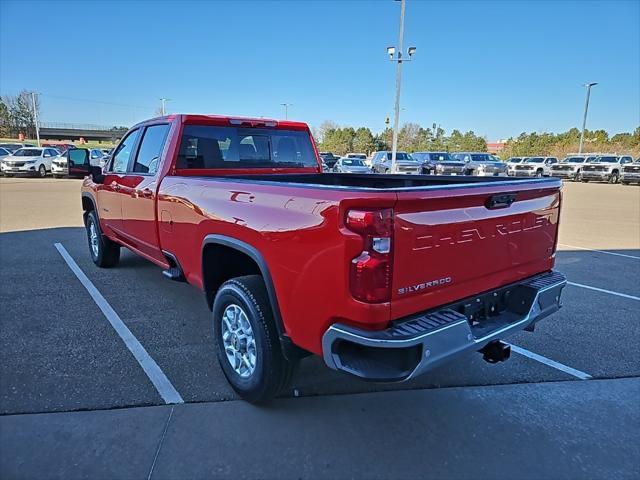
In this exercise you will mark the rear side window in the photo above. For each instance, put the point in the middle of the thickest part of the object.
(123, 153)
(204, 146)
(151, 149)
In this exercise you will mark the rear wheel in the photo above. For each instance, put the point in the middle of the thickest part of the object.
(247, 343)
(104, 252)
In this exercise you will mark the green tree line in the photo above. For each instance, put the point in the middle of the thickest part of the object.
(411, 138)
(561, 144)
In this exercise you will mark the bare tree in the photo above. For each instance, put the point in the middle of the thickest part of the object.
(19, 113)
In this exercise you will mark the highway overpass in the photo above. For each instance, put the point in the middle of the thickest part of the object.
(71, 131)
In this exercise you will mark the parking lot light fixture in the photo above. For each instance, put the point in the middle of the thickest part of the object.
(35, 116)
(286, 109)
(396, 56)
(584, 118)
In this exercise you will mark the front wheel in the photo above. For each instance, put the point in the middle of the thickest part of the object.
(614, 177)
(42, 171)
(104, 252)
(247, 343)
(539, 173)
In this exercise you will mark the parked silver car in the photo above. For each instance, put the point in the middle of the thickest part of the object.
(605, 168)
(12, 147)
(535, 167)
(405, 163)
(481, 164)
(571, 167)
(351, 165)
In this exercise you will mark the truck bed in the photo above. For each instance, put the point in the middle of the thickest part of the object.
(386, 182)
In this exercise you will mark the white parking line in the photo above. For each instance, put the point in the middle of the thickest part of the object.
(610, 292)
(164, 387)
(601, 251)
(551, 363)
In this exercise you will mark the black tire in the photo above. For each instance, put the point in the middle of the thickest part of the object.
(624, 183)
(108, 252)
(42, 171)
(540, 173)
(584, 180)
(57, 176)
(577, 176)
(9, 175)
(614, 177)
(272, 371)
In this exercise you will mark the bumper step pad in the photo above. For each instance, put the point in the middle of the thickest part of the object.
(413, 345)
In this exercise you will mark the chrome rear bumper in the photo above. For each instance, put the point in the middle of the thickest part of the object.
(414, 345)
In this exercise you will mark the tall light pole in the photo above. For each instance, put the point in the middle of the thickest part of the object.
(35, 116)
(286, 109)
(162, 105)
(396, 56)
(586, 108)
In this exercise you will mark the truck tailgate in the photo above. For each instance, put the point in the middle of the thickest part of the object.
(454, 243)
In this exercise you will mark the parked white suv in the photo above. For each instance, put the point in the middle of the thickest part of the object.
(30, 160)
(535, 167)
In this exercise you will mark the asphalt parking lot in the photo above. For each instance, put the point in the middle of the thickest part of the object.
(565, 405)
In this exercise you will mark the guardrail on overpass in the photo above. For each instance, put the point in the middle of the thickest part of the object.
(74, 131)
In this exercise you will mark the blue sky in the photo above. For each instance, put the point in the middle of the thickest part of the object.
(498, 68)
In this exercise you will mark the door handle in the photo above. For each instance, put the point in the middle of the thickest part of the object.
(115, 186)
(147, 193)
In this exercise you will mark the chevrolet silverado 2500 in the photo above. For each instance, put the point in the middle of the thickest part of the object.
(420, 268)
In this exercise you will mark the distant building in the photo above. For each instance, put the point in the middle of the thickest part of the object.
(496, 147)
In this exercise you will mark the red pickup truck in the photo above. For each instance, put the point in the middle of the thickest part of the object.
(385, 276)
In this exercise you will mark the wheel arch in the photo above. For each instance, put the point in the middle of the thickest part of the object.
(88, 205)
(237, 258)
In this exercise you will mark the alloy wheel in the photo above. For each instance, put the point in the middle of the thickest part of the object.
(238, 340)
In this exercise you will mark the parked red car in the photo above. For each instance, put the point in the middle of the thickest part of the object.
(385, 276)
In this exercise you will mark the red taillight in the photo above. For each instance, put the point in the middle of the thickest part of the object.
(371, 272)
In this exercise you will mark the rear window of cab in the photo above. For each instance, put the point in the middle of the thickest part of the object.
(215, 147)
